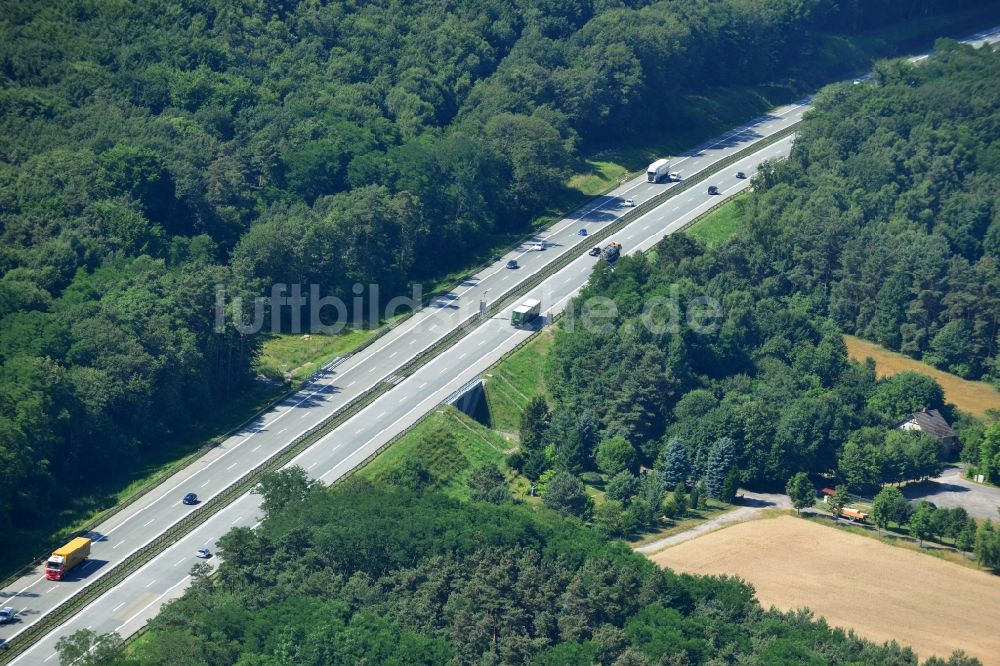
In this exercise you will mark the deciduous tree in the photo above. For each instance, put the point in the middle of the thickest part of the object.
(801, 491)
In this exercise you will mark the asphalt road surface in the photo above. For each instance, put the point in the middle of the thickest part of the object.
(950, 490)
(129, 605)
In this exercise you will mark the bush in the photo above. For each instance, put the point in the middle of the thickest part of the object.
(617, 455)
(622, 487)
(566, 494)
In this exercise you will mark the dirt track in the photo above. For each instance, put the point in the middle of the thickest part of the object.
(751, 505)
(880, 591)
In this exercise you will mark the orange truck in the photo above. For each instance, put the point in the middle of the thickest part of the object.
(854, 514)
(65, 558)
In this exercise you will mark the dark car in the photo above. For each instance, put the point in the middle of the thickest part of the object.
(740, 174)
(190, 498)
(512, 263)
(581, 232)
(595, 252)
(712, 189)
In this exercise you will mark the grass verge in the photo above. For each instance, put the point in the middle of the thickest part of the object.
(512, 383)
(290, 357)
(721, 224)
(448, 445)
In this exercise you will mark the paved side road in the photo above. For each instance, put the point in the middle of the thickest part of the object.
(950, 490)
(751, 504)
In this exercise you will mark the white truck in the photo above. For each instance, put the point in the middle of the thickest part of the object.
(525, 312)
(657, 171)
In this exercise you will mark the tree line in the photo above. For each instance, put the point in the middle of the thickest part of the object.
(885, 217)
(922, 519)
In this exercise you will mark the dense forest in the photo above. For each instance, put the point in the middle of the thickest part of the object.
(886, 217)
(366, 574)
(887, 210)
(152, 150)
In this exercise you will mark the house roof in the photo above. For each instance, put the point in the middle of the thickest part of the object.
(931, 422)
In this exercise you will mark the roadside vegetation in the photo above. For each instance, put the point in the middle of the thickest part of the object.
(440, 453)
(287, 357)
(511, 384)
(719, 225)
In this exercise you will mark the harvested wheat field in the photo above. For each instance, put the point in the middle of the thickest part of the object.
(972, 397)
(856, 582)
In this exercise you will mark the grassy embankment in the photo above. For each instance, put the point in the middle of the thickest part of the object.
(720, 224)
(450, 444)
(511, 384)
(287, 357)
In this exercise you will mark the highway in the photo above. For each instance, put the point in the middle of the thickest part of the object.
(129, 605)
(143, 521)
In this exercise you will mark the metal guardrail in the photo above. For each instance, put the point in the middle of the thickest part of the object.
(191, 521)
(147, 487)
(462, 390)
